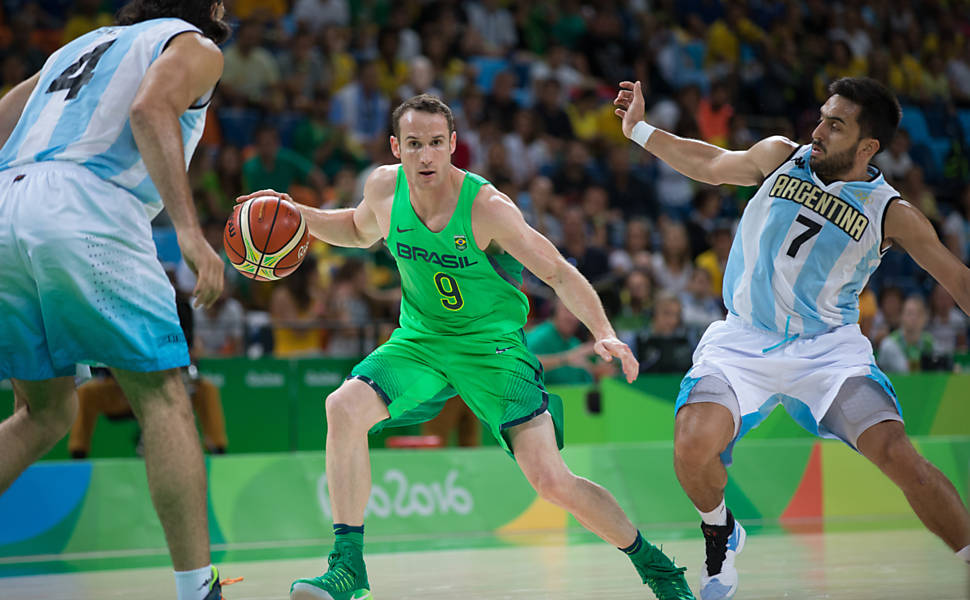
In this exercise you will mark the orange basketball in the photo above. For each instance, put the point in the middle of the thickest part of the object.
(266, 238)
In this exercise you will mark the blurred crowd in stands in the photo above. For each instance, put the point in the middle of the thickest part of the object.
(309, 85)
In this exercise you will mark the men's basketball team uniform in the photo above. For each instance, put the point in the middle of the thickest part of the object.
(462, 315)
(81, 281)
(803, 252)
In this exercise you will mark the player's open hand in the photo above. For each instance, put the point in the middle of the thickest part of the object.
(631, 106)
(274, 193)
(609, 347)
(208, 269)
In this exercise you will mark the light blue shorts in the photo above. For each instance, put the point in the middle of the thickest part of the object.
(80, 281)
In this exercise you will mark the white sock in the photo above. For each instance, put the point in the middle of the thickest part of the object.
(964, 554)
(193, 585)
(718, 516)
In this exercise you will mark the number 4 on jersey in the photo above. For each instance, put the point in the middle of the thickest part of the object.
(75, 76)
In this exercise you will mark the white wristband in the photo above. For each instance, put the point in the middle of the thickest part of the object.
(641, 133)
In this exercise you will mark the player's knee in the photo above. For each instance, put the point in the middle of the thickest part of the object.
(694, 448)
(340, 409)
(897, 458)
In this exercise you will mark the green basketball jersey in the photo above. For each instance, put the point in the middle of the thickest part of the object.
(449, 286)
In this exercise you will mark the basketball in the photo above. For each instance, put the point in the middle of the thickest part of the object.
(266, 238)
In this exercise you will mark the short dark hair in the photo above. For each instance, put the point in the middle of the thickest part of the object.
(422, 103)
(196, 12)
(880, 112)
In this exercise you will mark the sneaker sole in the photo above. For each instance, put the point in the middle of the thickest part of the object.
(305, 591)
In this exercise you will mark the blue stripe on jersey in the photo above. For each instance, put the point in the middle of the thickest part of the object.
(77, 113)
(814, 273)
(781, 216)
(733, 273)
(848, 299)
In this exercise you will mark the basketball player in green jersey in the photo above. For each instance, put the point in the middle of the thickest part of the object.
(460, 245)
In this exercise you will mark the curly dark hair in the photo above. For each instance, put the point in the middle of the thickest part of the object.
(196, 12)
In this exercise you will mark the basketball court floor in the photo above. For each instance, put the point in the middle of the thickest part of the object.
(907, 564)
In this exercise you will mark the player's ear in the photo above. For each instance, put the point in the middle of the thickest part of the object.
(454, 141)
(869, 146)
(395, 148)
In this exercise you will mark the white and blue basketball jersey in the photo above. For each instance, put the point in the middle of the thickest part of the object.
(78, 111)
(804, 250)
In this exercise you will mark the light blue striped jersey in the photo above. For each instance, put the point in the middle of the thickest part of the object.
(78, 111)
(804, 250)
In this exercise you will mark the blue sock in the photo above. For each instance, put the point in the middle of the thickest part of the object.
(635, 547)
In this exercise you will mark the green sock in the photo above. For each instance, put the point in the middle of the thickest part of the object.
(349, 535)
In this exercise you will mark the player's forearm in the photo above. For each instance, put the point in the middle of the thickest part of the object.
(580, 298)
(687, 156)
(334, 226)
(159, 139)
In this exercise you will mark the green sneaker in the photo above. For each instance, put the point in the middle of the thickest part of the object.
(665, 579)
(345, 579)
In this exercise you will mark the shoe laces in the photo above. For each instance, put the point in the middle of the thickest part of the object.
(227, 582)
(665, 579)
(667, 582)
(715, 546)
(341, 575)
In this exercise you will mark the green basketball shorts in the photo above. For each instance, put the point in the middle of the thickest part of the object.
(497, 377)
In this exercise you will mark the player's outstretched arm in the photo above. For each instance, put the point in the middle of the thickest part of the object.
(696, 159)
(12, 105)
(347, 227)
(496, 218)
(906, 226)
(186, 70)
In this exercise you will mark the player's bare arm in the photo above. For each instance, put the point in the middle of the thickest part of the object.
(357, 227)
(906, 226)
(187, 70)
(696, 159)
(12, 104)
(496, 219)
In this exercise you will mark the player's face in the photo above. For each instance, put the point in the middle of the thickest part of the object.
(424, 147)
(835, 141)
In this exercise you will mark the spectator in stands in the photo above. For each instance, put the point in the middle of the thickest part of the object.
(841, 63)
(916, 192)
(700, 225)
(552, 117)
(278, 168)
(422, 79)
(220, 329)
(958, 71)
(905, 72)
(671, 266)
(700, 306)
(543, 209)
(907, 348)
(318, 14)
(629, 189)
(895, 162)
(665, 347)
(948, 324)
(636, 306)
(956, 228)
(714, 115)
(392, 71)
(296, 306)
(591, 260)
(494, 25)
(349, 311)
(635, 252)
(564, 358)
(362, 108)
(303, 70)
(13, 70)
(220, 184)
(525, 150)
(251, 74)
(889, 317)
